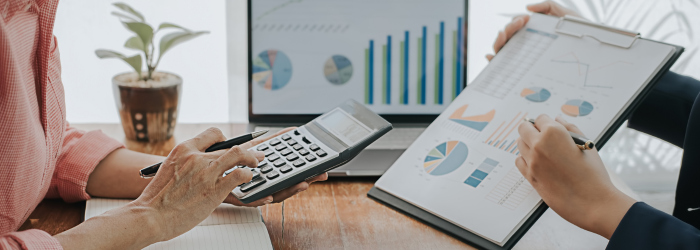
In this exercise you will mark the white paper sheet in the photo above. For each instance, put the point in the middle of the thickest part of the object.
(462, 168)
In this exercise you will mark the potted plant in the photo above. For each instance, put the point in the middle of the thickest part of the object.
(147, 100)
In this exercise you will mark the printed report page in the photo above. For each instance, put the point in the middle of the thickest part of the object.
(462, 168)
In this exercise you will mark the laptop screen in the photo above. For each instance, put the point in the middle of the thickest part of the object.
(398, 57)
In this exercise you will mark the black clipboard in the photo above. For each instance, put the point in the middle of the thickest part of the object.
(482, 243)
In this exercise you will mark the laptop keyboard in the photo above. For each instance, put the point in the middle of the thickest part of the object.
(397, 138)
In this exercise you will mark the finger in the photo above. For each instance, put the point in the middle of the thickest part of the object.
(542, 121)
(513, 27)
(569, 126)
(500, 41)
(230, 199)
(289, 192)
(528, 133)
(523, 148)
(522, 166)
(543, 7)
(489, 57)
(205, 139)
(235, 156)
(236, 178)
(259, 140)
(321, 177)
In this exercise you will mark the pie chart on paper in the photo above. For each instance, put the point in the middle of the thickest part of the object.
(445, 158)
(535, 94)
(338, 70)
(576, 108)
(272, 69)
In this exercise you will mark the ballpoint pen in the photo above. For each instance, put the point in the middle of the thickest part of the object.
(582, 143)
(151, 170)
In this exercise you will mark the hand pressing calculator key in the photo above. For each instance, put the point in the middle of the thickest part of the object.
(325, 143)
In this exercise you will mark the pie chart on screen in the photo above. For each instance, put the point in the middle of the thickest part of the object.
(535, 94)
(576, 108)
(272, 69)
(338, 70)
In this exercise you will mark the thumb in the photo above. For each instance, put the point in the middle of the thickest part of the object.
(549, 8)
(569, 126)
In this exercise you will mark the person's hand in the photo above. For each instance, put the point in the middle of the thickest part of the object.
(283, 194)
(518, 22)
(189, 184)
(573, 182)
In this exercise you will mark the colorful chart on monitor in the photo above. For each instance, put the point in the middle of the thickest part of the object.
(535, 94)
(338, 70)
(577, 108)
(272, 69)
(476, 122)
(445, 158)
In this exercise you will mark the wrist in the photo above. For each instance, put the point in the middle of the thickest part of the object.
(605, 214)
(149, 221)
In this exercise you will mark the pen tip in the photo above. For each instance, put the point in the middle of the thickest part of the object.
(257, 134)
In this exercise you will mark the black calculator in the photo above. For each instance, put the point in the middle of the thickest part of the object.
(327, 142)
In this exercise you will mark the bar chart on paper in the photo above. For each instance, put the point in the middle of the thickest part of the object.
(479, 175)
(504, 137)
(511, 190)
(445, 158)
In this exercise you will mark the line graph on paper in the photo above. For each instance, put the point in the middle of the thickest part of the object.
(570, 65)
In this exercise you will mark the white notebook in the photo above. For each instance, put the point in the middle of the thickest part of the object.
(227, 227)
(462, 168)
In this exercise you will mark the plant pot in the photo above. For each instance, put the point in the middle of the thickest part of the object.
(148, 109)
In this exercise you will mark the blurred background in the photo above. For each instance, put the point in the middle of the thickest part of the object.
(214, 66)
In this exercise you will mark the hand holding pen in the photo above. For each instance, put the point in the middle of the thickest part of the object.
(582, 142)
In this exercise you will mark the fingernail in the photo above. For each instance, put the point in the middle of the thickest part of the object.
(268, 201)
(259, 154)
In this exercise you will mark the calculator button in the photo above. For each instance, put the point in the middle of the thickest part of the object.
(310, 158)
(297, 147)
(321, 153)
(272, 175)
(263, 147)
(303, 151)
(296, 132)
(305, 140)
(279, 163)
(286, 137)
(273, 157)
(285, 152)
(292, 157)
(268, 152)
(292, 142)
(286, 169)
(262, 164)
(256, 175)
(314, 147)
(299, 163)
(266, 169)
(254, 183)
(280, 147)
(228, 171)
(274, 142)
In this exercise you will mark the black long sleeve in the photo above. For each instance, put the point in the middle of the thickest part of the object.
(644, 227)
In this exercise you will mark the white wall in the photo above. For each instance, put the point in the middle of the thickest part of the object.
(83, 26)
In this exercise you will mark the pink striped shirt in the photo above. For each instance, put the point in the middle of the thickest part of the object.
(41, 156)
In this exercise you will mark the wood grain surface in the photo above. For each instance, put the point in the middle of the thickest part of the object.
(335, 214)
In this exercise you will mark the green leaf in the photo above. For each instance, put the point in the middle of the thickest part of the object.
(170, 25)
(135, 43)
(127, 8)
(143, 30)
(133, 61)
(170, 40)
(124, 17)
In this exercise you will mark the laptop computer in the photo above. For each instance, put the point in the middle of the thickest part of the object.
(405, 60)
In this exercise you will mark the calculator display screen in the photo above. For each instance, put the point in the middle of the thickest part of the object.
(344, 126)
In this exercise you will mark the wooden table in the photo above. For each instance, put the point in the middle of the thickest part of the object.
(335, 214)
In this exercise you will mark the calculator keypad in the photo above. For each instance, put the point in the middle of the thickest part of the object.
(282, 155)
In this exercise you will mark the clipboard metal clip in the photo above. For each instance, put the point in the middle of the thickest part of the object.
(620, 34)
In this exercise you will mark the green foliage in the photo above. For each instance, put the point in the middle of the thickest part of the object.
(143, 40)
